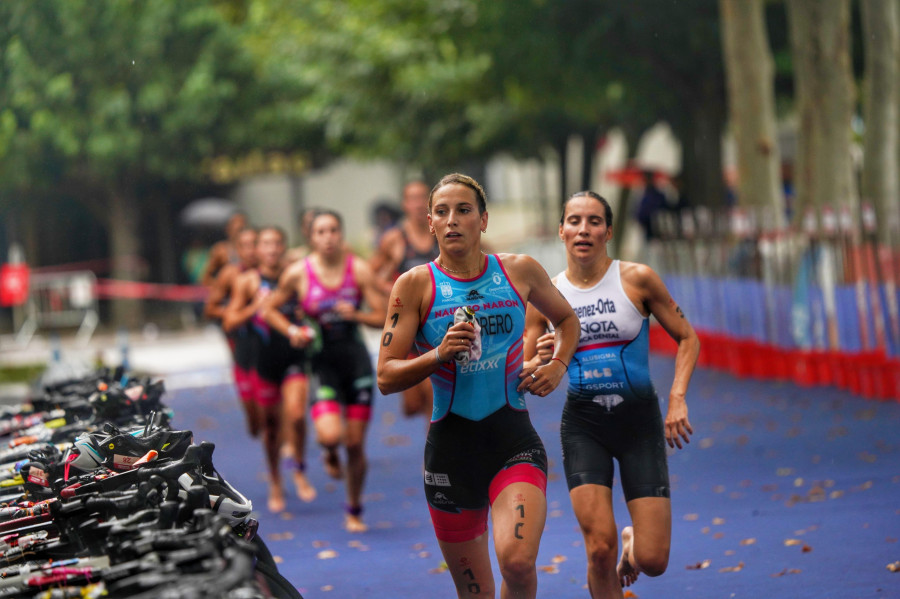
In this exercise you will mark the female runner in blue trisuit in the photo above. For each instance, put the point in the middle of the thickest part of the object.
(482, 456)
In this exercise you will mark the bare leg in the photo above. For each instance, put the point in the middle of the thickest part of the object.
(593, 509)
(651, 538)
(329, 431)
(470, 567)
(519, 513)
(271, 437)
(295, 391)
(354, 441)
(253, 416)
(247, 396)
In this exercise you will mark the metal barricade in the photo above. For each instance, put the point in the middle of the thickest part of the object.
(60, 300)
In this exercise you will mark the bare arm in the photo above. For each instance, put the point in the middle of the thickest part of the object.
(214, 307)
(538, 342)
(372, 295)
(396, 370)
(288, 285)
(218, 257)
(386, 259)
(547, 299)
(243, 302)
(659, 303)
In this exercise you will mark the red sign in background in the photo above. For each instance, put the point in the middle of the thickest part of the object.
(13, 284)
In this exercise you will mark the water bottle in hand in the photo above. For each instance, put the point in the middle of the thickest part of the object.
(463, 314)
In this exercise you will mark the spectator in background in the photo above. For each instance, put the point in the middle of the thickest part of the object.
(193, 264)
(653, 201)
(194, 260)
(225, 251)
(385, 217)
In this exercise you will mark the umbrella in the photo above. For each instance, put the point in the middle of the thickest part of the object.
(633, 176)
(207, 212)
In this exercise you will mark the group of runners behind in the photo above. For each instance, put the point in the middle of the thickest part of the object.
(288, 314)
(286, 318)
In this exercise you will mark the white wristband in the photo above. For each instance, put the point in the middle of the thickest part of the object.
(437, 355)
(292, 330)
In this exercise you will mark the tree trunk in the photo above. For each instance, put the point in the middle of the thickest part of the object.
(749, 72)
(587, 157)
(166, 241)
(561, 145)
(124, 244)
(820, 46)
(701, 147)
(30, 221)
(879, 176)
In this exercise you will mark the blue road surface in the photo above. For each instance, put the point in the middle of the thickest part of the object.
(783, 492)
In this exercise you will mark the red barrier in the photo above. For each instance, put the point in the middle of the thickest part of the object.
(660, 341)
(891, 374)
(739, 358)
(115, 289)
(828, 282)
(804, 372)
(871, 374)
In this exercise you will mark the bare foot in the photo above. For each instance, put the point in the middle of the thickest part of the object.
(276, 499)
(332, 462)
(354, 524)
(626, 572)
(305, 491)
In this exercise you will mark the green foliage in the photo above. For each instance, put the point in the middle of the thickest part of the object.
(386, 78)
(119, 91)
(111, 91)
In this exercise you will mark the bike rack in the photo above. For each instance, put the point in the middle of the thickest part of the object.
(60, 300)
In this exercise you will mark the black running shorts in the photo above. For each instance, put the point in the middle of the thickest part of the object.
(593, 435)
(462, 456)
(346, 378)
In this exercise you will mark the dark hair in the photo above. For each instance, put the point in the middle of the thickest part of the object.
(385, 207)
(326, 212)
(277, 229)
(460, 179)
(608, 215)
